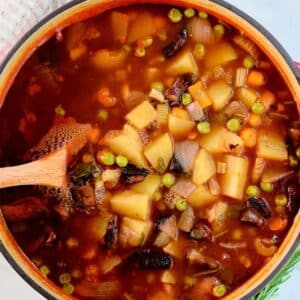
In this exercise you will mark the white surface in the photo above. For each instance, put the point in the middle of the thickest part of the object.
(281, 17)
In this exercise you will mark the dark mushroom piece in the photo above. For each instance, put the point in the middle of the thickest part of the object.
(201, 232)
(150, 259)
(179, 87)
(111, 235)
(174, 47)
(132, 174)
(256, 212)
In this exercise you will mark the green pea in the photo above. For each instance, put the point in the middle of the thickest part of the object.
(186, 99)
(281, 200)
(266, 186)
(203, 15)
(248, 62)
(59, 110)
(140, 52)
(64, 278)
(175, 15)
(258, 108)
(219, 30)
(219, 290)
(148, 41)
(121, 161)
(68, 288)
(158, 85)
(199, 51)
(252, 191)
(203, 127)
(107, 158)
(181, 204)
(45, 270)
(293, 161)
(233, 125)
(189, 12)
(189, 281)
(168, 180)
(298, 152)
(102, 114)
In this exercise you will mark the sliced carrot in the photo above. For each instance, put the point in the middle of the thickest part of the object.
(277, 223)
(192, 135)
(94, 135)
(180, 113)
(249, 137)
(78, 51)
(105, 99)
(280, 107)
(87, 158)
(267, 98)
(256, 79)
(255, 120)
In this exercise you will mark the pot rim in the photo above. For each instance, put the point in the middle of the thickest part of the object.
(27, 276)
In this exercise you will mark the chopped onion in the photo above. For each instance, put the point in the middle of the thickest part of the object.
(214, 186)
(162, 240)
(233, 245)
(195, 110)
(236, 109)
(183, 187)
(186, 220)
(105, 290)
(169, 227)
(201, 31)
(258, 169)
(186, 152)
(157, 95)
(274, 174)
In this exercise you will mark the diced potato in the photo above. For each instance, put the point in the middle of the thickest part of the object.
(163, 113)
(168, 277)
(220, 92)
(220, 140)
(182, 63)
(275, 173)
(271, 145)
(180, 127)
(204, 167)
(110, 263)
(200, 94)
(127, 142)
(234, 180)
(218, 216)
(201, 197)
(142, 115)
(160, 151)
(131, 204)
(148, 186)
(119, 25)
(220, 54)
(134, 232)
(104, 59)
(247, 96)
(141, 27)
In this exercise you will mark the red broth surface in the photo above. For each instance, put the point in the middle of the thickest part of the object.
(189, 180)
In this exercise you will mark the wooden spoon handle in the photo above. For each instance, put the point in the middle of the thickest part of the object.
(49, 170)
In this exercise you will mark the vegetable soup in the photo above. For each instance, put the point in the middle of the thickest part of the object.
(189, 181)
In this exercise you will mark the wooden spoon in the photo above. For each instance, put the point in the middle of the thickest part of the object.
(51, 169)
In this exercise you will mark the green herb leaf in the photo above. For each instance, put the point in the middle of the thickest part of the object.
(85, 172)
(271, 288)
